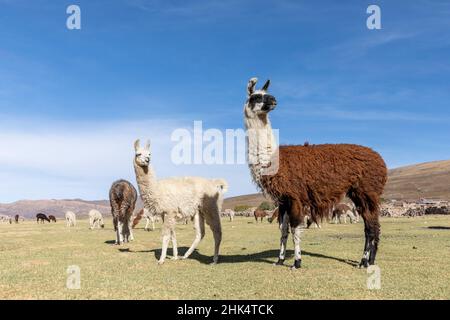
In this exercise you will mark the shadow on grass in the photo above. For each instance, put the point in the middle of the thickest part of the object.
(268, 256)
(438, 228)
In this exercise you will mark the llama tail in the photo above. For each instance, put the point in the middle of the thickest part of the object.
(221, 185)
(137, 218)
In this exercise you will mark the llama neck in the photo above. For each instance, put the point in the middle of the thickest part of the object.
(261, 147)
(147, 185)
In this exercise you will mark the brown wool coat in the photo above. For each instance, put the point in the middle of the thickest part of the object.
(317, 176)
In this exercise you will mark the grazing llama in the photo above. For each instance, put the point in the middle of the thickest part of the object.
(259, 213)
(52, 218)
(311, 176)
(180, 198)
(343, 211)
(122, 197)
(95, 219)
(42, 218)
(5, 219)
(151, 219)
(71, 219)
(230, 214)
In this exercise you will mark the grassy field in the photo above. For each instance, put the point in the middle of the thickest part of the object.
(414, 259)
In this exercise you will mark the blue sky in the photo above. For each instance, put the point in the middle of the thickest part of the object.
(73, 101)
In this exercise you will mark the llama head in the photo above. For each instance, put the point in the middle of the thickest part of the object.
(259, 102)
(142, 154)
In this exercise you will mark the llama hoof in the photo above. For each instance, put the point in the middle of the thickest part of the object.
(280, 262)
(174, 258)
(160, 262)
(364, 263)
(213, 263)
(297, 264)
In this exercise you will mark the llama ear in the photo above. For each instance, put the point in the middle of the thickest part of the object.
(147, 145)
(266, 85)
(136, 144)
(251, 85)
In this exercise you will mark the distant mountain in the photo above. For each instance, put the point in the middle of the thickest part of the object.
(425, 180)
(29, 208)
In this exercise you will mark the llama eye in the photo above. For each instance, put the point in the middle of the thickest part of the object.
(257, 98)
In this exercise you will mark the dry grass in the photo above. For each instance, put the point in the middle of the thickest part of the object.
(414, 261)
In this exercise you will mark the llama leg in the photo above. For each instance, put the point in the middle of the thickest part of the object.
(146, 223)
(216, 228)
(153, 223)
(374, 238)
(212, 216)
(365, 258)
(296, 233)
(284, 227)
(129, 230)
(119, 233)
(169, 224)
(165, 244)
(173, 237)
(199, 226)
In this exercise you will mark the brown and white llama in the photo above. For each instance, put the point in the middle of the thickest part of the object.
(260, 213)
(122, 197)
(311, 176)
(342, 210)
(150, 217)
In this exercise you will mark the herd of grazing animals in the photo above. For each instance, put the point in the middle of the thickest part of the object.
(306, 182)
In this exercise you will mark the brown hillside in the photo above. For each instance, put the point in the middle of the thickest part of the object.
(424, 180)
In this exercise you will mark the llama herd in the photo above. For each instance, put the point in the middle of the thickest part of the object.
(306, 182)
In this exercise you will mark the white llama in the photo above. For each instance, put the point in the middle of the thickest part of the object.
(229, 213)
(71, 219)
(95, 219)
(5, 219)
(179, 198)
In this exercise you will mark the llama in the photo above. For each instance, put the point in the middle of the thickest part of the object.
(275, 215)
(52, 218)
(343, 210)
(151, 219)
(122, 197)
(259, 213)
(5, 219)
(230, 214)
(42, 218)
(16, 218)
(71, 219)
(180, 198)
(95, 219)
(311, 176)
